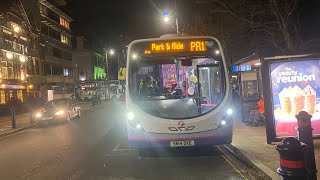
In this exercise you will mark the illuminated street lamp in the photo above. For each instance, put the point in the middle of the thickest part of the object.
(16, 29)
(9, 55)
(22, 59)
(134, 56)
(166, 19)
(111, 51)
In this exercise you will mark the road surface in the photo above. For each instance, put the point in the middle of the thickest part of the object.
(94, 147)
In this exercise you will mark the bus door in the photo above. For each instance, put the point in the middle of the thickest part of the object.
(208, 86)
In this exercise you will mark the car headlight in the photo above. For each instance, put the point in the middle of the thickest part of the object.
(229, 111)
(130, 116)
(38, 115)
(58, 113)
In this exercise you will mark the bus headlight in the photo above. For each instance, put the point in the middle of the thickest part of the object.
(223, 122)
(229, 111)
(138, 126)
(130, 116)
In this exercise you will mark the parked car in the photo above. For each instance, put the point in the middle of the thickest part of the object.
(59, 110)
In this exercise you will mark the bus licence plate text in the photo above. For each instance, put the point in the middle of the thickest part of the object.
(181, 143)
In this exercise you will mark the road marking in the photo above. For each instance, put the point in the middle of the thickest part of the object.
(120, 150)
(116, 147)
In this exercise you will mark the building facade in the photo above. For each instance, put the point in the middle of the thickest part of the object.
(56, 49)
(18, 47)
(89, 62)
(35, 51)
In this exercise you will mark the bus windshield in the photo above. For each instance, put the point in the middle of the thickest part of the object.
(177, 87)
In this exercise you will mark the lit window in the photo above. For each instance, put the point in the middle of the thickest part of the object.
(65, 38)
(23, 38)
(6, 31)
(2, 97)
(43, 10)
(64, 23)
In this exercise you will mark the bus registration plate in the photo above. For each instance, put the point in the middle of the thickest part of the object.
(181, 143)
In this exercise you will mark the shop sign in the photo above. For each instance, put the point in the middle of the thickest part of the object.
(295, 88)
(9, 86)
(242, 68)
(122, 74)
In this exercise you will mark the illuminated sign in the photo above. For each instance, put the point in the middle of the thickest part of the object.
(295, 88)
(8, 86)
(198, 46)
(242, 68)
(176, 46)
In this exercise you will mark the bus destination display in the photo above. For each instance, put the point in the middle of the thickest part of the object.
(176, 47)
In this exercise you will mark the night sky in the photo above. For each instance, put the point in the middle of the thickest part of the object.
(107, 20)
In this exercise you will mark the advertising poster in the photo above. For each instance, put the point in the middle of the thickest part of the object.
(295, 88)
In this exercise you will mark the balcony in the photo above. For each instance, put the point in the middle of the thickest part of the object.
(12, 46)
(36, 79)
(55, 60)
(46, 38)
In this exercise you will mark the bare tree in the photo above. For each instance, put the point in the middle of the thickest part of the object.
(275, 21)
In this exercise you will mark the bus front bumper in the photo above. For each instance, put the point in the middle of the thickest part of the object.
(140, 139)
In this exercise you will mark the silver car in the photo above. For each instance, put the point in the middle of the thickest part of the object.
(59, 110)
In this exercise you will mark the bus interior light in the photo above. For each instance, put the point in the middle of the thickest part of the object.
(217, 52)
(229, 111)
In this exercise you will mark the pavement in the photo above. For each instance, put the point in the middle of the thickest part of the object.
(250, 144)
(23, 120)
(95, 147)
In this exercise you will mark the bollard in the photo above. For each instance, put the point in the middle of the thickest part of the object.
(31, 117)
(305, 136)
(13, 117)
(292, 166)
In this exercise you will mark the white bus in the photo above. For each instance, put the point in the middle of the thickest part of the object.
(177, 93)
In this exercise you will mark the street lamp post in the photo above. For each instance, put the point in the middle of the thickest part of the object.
(111, 51)
(177, 25)
(166, 19)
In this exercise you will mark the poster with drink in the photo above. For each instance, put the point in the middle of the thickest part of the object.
(295, 88)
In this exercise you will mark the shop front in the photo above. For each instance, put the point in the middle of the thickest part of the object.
(12, 91)
(246, 85)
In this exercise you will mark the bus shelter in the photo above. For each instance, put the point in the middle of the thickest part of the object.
(246, 84)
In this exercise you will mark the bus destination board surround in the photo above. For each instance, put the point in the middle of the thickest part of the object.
(177, 46)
